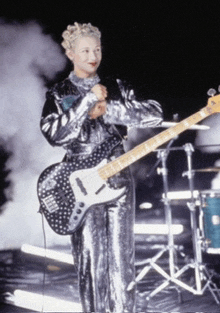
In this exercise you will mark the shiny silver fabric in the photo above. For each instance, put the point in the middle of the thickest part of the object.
(103, 247)
(131, 112)
(104, 254)
(71, 126)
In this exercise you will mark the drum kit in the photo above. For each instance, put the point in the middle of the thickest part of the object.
(204, 210)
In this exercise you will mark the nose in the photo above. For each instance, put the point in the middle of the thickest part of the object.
(92, 56)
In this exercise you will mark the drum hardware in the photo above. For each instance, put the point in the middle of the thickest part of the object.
(210, 220)
(180, 197)
(201, 272)
(172, 250)
(208, 169)
(207, 146)
(162, 155)
(203, 278)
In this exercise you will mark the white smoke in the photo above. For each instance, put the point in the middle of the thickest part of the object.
(209, 140)
(26, 55)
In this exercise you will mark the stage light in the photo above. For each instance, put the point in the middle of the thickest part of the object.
(145, 205)
(50, 254)
(182, 195)
(157, 229)
(42, 303)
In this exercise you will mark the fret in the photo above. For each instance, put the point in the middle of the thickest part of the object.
(186, 123)
(104, 172)
(116, 166)
(147, 147)
(111, 169)
(166, 137)
(157, 140)
(139, 151)
(124, 160)
(203, 114)
(129, 158)
(171, 132)
(153, 143)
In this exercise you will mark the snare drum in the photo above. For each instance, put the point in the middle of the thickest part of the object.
(210, 201)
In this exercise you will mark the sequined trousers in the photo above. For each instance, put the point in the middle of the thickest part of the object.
(103, 250)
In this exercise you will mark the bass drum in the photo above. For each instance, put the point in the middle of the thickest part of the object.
(210, 220)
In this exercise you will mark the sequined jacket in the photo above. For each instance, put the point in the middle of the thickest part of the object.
(65, 120)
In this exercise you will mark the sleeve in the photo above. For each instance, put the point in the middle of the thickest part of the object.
(60, 127)
(131, 112)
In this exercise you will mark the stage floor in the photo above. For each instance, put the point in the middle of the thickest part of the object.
(20, 271)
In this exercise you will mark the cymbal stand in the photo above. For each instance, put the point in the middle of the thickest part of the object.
(192, 207)
(201, 272)
(162, 155)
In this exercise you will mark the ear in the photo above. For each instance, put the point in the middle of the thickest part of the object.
(70, 54)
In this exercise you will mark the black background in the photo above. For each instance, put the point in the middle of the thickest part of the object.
(169, 48)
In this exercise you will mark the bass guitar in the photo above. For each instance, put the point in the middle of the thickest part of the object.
(67, 190)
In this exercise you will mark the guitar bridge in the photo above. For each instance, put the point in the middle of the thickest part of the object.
(50, 204)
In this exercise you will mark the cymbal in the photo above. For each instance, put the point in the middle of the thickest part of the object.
(208, 169)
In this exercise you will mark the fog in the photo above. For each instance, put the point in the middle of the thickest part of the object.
(27, 55)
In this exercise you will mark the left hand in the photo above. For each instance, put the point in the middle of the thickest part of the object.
(98, 110)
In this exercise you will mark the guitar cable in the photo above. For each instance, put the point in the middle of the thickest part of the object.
(44, 268)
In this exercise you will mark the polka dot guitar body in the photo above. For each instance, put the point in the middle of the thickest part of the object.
(67, 190)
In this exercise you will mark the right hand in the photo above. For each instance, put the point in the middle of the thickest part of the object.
(100, 91)
(98, 110)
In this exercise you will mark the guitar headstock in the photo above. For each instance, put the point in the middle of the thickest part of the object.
(214, 101)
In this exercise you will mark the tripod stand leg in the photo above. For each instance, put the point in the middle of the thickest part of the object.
(146, 269)
(212, 286)
(215, 292)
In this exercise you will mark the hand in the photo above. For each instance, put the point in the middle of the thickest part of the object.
(100, 91)
(98, 110)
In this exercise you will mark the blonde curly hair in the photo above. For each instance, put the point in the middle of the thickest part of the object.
(76, 31)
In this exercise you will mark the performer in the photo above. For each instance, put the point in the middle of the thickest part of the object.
(79, 114)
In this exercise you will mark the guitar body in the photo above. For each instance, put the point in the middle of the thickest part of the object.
(67, 190)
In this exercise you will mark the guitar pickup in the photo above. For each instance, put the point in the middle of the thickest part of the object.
(100, 189)
(80, 184)
(50, 204)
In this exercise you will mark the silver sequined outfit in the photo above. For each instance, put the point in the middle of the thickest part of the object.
(103, 247)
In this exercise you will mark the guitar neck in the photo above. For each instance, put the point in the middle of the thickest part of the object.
(115, 166)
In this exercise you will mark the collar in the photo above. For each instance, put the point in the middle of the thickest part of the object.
(85, 83)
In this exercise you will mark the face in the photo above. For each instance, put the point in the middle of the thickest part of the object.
(86, 56)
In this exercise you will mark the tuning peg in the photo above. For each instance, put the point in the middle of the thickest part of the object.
(211, 92)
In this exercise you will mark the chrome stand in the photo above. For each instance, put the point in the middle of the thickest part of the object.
(203, 279)
(162, 155)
